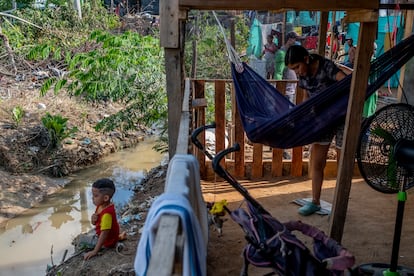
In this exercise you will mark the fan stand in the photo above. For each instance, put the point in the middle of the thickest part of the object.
(404, 155)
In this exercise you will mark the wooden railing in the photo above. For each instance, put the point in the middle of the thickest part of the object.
(183, 179)
(253, 160)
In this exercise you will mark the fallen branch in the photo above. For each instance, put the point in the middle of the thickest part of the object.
(20, 19)
(46, 168)
(7, 74)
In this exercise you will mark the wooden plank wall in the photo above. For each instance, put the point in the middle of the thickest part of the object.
(232, 128)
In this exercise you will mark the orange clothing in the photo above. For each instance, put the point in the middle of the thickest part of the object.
(107, 221)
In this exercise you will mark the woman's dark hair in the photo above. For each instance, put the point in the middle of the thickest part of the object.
(295, 54)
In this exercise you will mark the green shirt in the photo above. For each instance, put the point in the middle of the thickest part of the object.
(279, 64)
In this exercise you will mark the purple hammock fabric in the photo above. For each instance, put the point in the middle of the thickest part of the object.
(271, 119)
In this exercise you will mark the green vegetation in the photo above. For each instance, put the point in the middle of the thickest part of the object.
(18, 114)
(57, 128)
(124, 68)
(99, 64)
(212, 61)
(211, 58)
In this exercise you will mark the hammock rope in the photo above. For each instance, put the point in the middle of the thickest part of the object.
(231, 52)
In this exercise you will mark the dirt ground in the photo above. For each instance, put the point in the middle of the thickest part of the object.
(368, 232)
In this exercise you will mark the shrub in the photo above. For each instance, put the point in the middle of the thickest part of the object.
(57, 128)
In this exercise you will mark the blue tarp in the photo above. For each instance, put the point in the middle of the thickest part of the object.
(255, 39)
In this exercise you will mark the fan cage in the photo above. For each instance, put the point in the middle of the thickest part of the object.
(375, 154)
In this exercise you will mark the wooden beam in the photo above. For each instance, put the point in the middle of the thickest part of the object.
(169, 29)
(315, 5)
(409, 18)
(174, 79)
(162, 256)
(199, 119)
(184, 132)
(361, 16)
(220, 116)
(359, 85)
(332, 35)
(257, 166)
(323, 27)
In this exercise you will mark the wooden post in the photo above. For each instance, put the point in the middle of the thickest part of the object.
(165, 246)
(171, 41)
(220, 115)
(409, 18)
(194, 44)
(296, 168)
(199, 119)
(323, 26)
(359, 85)
(257, 165)
(332, 34)
(239, 169)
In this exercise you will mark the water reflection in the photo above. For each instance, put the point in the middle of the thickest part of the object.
(26, 241)
(61, 214)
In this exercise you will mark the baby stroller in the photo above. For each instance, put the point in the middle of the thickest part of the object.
(271, 243)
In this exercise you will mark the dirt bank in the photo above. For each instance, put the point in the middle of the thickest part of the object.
(29, 164)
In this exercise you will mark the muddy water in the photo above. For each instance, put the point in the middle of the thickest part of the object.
(33, 240)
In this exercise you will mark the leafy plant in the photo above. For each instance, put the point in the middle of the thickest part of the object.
(57, 128)
(18, 114)
(125, 68)
(211, 59)
(62, 31)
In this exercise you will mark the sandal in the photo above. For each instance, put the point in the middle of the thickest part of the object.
(309, 209)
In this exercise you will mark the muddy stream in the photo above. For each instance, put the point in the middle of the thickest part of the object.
(27, 241)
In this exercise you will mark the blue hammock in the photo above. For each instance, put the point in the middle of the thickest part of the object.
(269, 118)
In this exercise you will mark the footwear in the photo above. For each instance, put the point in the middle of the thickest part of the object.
(309, 209)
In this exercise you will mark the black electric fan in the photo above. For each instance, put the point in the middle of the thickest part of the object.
(385, 158)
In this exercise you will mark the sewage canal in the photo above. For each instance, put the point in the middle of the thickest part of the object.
(26, 241)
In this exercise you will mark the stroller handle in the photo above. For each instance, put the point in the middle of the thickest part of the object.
(233, 182)
(216, 160)
(197, 143)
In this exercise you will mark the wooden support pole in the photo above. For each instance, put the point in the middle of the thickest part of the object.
(162, 262)
(172, 39)
(220, 116)
(409, 18)
(359, 85)
(332, 34)
(323, 27)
